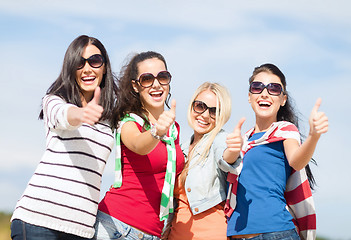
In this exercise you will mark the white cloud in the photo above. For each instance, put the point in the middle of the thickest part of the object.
(222, 15)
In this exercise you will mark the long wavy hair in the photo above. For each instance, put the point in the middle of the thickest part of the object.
(223, 112)
(286, 112)
(128, 99)
(67, 87)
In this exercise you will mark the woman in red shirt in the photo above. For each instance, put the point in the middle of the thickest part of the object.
(148, 153)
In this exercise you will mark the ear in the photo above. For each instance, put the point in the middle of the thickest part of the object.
(249, 98)
(284, 101)
(135, 86)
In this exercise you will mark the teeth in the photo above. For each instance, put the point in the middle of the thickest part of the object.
(264, 103)
(88, 78)
(156, 94)
(202, 122)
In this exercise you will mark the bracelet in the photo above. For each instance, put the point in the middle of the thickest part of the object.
(154, 134)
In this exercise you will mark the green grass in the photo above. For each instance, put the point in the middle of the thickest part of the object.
(5, 233)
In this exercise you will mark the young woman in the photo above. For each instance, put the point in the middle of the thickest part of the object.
(148, 153)
(200, 213)
(272, 178)
(61, 199)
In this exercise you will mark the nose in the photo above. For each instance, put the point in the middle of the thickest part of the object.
(86, 67)
(265, 92)
(156, 83)
(206, 113)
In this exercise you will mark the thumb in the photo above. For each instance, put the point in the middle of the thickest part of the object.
(316, 106)
(97, 93)
(237, 128)
(173, 106)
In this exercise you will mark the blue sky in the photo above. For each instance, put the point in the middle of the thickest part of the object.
(218, 41)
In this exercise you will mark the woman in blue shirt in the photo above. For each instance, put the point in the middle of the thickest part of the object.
(272, 153)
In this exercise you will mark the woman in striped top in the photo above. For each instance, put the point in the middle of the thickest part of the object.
(61, 199)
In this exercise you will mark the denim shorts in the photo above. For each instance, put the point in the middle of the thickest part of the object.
(25, 231)
(107, 227)
(283, 235)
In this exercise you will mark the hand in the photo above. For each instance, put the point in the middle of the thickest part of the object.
(318, 120)
(166, 120)
(234, 140)
(92, 111)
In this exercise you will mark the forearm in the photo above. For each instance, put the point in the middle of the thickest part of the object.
(74, 115)
(140, 143)
(230, 156)
(145, 143)
(304, 153)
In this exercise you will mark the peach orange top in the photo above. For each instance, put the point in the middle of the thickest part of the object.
(210, 224)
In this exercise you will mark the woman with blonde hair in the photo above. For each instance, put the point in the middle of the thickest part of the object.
(201, 188)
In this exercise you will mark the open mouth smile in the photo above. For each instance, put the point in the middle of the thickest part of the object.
(156, 94)
(264, 104)
(88, 80)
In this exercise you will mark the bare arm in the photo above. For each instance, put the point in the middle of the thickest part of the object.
(299, 156)
(143, 143)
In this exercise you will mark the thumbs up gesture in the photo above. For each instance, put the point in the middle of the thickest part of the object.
(92, 111)
(234, 143)
(318, 121)
(165, 120)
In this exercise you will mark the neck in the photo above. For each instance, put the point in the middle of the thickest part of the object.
(197, 138)
(85, 98)
(262, 125)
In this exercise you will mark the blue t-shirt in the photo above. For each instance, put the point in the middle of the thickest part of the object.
(260, 195)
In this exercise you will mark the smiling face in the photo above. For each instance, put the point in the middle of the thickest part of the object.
(88, 78)
(265, 105)
(153, 98)
(202, 122)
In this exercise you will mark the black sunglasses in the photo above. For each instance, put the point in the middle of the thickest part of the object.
(147, 79)
(274, 89)
(200, 107)
(94, 61)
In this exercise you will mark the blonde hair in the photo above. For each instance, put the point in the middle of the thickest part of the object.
(223, 112)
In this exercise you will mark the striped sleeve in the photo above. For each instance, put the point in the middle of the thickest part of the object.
(55, 113)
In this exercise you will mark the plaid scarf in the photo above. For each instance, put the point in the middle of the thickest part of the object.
(298, 193)
(166, 205)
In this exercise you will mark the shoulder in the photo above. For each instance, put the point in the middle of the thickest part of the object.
(53, 102)
(51, 97)
(219, 140)
(287, 130)
(221, 135)
(286, 126)
(131, 119)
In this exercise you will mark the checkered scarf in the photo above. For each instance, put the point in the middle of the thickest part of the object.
(166, 205)
(298, 193)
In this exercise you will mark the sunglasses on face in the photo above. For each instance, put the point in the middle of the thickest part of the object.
(200, 107)
(94, 61)
(274, 89)
(147, 79)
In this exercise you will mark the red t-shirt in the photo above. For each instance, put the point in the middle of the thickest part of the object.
(137, 201)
